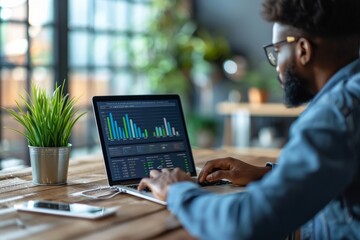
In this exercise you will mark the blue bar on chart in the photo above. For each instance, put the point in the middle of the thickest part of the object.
(165, 130)
(128, 130)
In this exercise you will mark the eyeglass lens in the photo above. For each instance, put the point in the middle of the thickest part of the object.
(272, 56)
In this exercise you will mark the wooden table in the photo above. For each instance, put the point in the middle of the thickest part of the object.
(135, 218)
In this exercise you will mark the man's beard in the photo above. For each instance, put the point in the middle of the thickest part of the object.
(296, 90)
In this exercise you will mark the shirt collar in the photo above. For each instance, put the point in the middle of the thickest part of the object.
(341, 75)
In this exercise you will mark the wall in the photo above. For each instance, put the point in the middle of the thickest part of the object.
(240, 22)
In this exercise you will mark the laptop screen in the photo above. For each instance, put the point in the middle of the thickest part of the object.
(141, 133)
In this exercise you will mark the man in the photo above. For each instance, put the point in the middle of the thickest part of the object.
(316, 184)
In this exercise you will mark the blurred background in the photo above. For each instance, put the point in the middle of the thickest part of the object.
(208, 52)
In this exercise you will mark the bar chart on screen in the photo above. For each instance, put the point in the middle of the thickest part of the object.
(127, 127)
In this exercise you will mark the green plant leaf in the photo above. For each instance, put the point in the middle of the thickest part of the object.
(48, 120)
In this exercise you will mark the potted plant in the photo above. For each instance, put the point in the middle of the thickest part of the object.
(261, 82)
(258, 89)
(48, 122)
(178, 47)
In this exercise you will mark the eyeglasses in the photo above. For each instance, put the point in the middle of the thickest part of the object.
(271, 51)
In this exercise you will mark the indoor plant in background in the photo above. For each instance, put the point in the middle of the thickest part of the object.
(48, 121)
(178, 47)
(178, 56)
(258, 87)
(262, 82)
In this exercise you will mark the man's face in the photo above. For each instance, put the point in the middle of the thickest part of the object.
(296, 90)
(295, 85)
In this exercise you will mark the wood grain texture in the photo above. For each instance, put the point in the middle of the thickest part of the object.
(135, 218)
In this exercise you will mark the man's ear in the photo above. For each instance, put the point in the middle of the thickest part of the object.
(304, 51)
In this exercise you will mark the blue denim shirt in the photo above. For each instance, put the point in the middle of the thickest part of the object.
(316, 183)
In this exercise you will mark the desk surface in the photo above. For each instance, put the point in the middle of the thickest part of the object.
(135, 218)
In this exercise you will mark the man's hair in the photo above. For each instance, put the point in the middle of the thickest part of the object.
(326, 18)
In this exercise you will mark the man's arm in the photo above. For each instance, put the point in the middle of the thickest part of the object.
(320, 154)
(317, 164)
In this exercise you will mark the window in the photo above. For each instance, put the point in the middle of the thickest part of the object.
(26, 55)
(94, 44)
(104, 36)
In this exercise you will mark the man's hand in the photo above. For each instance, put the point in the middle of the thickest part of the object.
(158, 182)
(238, 172)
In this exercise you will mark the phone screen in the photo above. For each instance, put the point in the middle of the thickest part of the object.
(66, 209)
(73, 207)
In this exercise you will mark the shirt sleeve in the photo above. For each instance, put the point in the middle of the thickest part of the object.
(316, 165)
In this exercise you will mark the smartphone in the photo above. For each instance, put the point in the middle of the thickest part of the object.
(65, 209)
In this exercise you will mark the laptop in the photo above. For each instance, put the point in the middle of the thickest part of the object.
(139, 133)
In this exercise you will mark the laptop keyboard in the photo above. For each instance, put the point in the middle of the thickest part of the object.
(135, 186)
(214, 183)
(204, 184)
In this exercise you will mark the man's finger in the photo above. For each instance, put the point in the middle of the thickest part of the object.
(154, 173)
(218, 175)
(165, 170)
(208, 168)
(211, 166)
(143, 184)
(202, 175)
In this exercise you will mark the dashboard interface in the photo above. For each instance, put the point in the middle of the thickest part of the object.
(141, 135)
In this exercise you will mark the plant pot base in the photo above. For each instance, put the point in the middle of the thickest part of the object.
(49, 184)
(49, 165)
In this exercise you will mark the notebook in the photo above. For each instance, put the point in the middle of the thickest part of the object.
(139, 133)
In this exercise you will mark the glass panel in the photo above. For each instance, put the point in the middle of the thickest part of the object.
(79, 11)
(84, 133)
(119, 52)
(79, 133)
(43, 77)
(13, 85)
(101, 50)
(14, 44)
(118, 16)
(139, 50)
(14, 144)
(141, 84)
(84, 85)
(102, 15)
(78, 49)
(13, 10)
(78, 87)
(40, 12)
(90, 52)
(100, 82)
(41, 48)
(112, 15)
(121, 84)
(140, 17)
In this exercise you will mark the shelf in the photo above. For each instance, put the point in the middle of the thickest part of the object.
(238, 119)
(264, 109)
